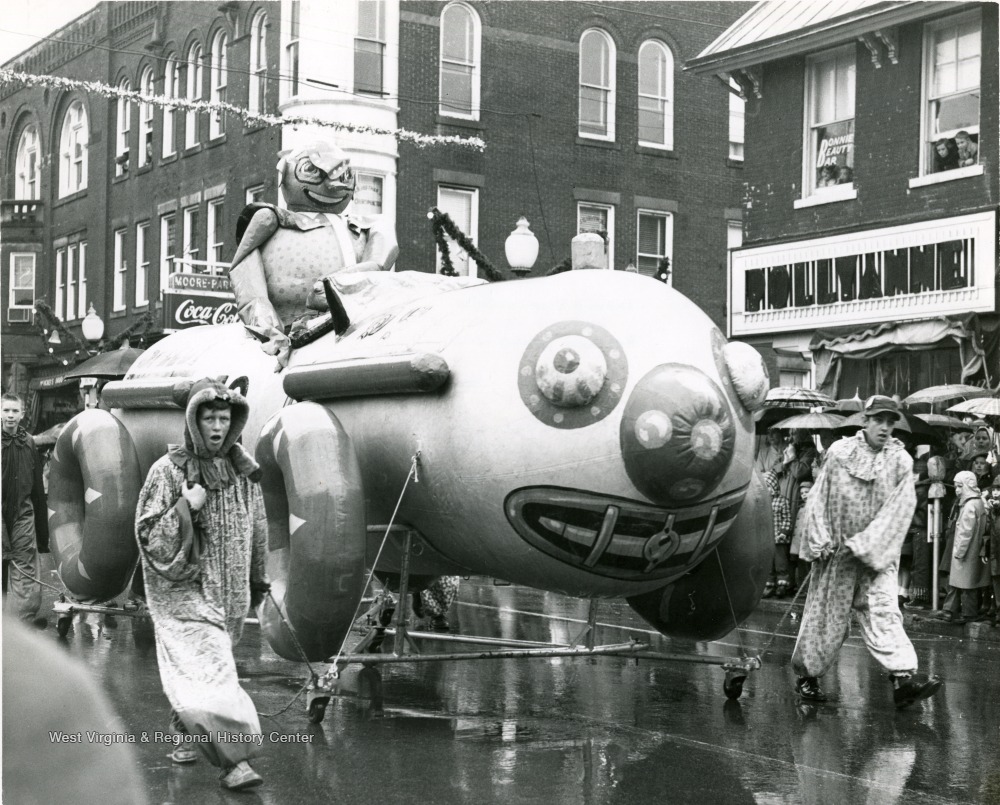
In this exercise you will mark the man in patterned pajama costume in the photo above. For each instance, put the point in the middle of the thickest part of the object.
(857, 516)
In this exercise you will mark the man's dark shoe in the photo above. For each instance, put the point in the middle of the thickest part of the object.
(809, 690)
(912, 689)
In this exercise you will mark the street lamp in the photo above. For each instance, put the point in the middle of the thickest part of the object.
(521, 248)
(92, 327)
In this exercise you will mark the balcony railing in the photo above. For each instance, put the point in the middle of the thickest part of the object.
(21, 213)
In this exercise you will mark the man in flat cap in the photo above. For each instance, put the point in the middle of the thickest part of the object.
(857, 517)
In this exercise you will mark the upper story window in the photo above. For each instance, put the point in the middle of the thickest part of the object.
(121, 271)
(190, 237)
(952, 70)
(27, 165)
(369, 47)
(461, 205)
(257, 101)
(599, 219)
(123, 125)
(171, 86)
(654, 241)
(597, 85)
(73, 140)
(737, 121)
(195, 82)
(22, 287)
(829, 147)
(218, 76)
(142, 264)
(656, 95)
(290, 87)
(460, 62)
(71, 281)
(146, 111)
(216, 233)
(168, 249)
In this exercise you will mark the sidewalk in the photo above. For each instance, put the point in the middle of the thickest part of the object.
(915, 622)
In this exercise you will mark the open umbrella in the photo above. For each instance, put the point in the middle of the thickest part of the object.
(816, 422)
(944, 422)
(797, 397)
(850, 405)
(49, 435)
(111, 365)
(952, 391)
(984, 406)
(919, 431)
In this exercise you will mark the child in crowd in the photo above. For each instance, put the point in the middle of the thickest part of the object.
(778, 582)
(799, 567)
(990, 552)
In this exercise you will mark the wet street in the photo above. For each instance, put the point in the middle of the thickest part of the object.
(568, 731)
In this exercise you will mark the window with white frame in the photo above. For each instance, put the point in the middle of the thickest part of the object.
(737, 121)
(257, 101)
(216, 235)
(195, 84)
(22, 287)
(81, 274)
(290, 86)
(600, 219)
(368, 193)
(141, 264)
(123, 126)
(146, 112)
(60, 300)
(168, 248)
(27, 166)
(218, 77)
(171, 86)
(254, 194)
(654, 241)
(369, 47)
(71, 254)
(462, 206)
(656, 95)
(460, 62)
(73, 141)
(597, 85)
(121, 272)
(830, 121)
(952, 74)
(190, 237)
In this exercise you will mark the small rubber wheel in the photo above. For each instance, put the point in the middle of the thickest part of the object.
(63, 624)
(317, 709)
(733, 686)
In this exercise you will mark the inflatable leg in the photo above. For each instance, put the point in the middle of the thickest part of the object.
(316, 523)
(697, 605)
(94, 483)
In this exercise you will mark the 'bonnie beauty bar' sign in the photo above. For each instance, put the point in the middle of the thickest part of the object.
(190, 300)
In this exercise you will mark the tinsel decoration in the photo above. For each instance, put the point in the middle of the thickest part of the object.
(139, 327)
(249, 118)
(52, 322)
(441, 223)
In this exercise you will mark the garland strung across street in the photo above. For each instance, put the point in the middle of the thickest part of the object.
(49, 321)
(441, 222)
(248, 117)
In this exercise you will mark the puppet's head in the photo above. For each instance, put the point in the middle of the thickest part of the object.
(316, 178)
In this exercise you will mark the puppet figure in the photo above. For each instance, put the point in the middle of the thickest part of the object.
(284, 254)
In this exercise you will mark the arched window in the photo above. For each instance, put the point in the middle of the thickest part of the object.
(597, 85)
(171, 86)
(123, 125)
(146, 118)
(195, 83)
(27, 166)
(656, 95)
(73, 140)
(257, 102)
(218, 78)
(460, 62)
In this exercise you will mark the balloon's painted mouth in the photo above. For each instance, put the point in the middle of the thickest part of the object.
(617, 537)
(320, 199)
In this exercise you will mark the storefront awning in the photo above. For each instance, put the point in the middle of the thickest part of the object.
(51, 378)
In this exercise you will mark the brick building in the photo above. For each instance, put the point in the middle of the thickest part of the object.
(589, 122)
(869, 258)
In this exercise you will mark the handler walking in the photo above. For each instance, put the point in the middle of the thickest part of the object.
(857, 516)
(202, 534)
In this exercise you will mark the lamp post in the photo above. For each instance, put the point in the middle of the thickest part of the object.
(521, 248)
(92, 328)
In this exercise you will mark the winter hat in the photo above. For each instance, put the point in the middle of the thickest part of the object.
(966, 485)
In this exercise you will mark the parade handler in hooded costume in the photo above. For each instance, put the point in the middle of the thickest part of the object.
(857, 516)
(284, 254)
(202, 534)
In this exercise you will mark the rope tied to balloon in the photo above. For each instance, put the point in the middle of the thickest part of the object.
(442, 224)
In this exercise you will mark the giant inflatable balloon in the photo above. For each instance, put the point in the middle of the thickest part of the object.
(588, 433)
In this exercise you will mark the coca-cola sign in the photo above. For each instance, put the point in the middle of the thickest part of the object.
(184, 307)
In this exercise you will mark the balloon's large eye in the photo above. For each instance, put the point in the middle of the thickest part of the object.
(572, 374)
(305, 171)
